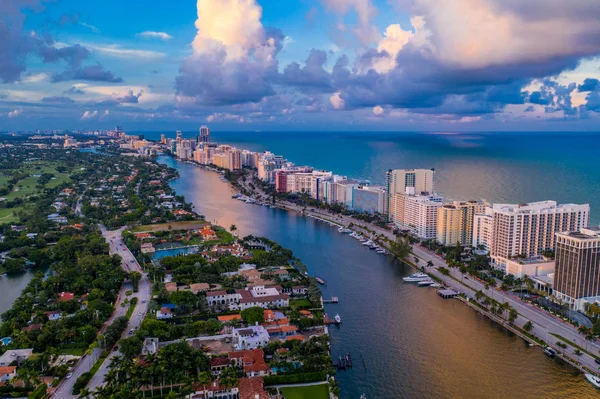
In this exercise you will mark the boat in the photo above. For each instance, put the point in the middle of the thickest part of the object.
(320, 280)
(250, 201)
(593, 379)
(363, 396)
(338, 319)
(236, 196)
(549, 351)
(416, 277)
(436, 285)
(425, 283)
(368, 242)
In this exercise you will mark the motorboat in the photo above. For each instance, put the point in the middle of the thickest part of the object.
(593, 379)
(338, 319)
(425, 283)
(368, 242)
(549, 351)
(436, 285)
(416, 277)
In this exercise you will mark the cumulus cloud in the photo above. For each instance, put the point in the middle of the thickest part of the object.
(234, 56)
(89, 115)
(336, 101)
(589, 84)
(155, 35)
(15, 113)
(378, 110)
(128, 97)
(312, 75)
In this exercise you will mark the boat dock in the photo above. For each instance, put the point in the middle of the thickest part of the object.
(334, 299)
(448, 293)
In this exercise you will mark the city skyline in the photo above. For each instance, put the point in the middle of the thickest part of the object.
(311, 65)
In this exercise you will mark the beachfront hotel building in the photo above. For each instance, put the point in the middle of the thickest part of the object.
(417, 214)
(399, 180)
(528, 229)
(309, 182)
(577, 274)
(455, 222)
(268, 164)
(204, 135)
(369, 199)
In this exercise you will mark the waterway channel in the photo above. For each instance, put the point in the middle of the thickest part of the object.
(414, 344)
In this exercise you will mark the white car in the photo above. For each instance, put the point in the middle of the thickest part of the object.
(69, 376)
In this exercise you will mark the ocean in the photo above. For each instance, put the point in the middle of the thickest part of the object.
(515, 167)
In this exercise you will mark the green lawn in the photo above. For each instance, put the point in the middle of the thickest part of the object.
(300, 303)
(8, 215)
(310, 392)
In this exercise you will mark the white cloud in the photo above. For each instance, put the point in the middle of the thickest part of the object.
(155, 35)
(89, 115)
(378, 110)
(15, 113)
(35, 78)
(336, 101)
(394, 38)
(90, 27)
(220, 117)
(232, 23)
(481, 33)
(116, 51)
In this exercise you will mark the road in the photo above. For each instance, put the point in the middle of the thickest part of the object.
(545, 324)
(129, 264)
(117, 246)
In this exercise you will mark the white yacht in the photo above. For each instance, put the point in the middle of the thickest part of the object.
(416, 277)
(593, 379)
(368, 242)
(338, 319)
(425, 282)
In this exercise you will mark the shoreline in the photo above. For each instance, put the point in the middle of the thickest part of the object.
(360, 225)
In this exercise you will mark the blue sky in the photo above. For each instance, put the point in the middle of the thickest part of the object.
(456, 65)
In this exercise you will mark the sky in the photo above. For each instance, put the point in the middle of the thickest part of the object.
(300, 65)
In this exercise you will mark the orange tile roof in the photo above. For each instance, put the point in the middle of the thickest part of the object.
(295, 338)
(7, 370)
(229, 317)
(252, 388)
(288, 328)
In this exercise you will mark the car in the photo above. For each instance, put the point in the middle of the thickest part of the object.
(69, 376)
(139, 314)
(130, 331)
(597, 360)
(143, 301)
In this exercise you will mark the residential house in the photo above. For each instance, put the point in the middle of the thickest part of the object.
(164, 313)
(222, 298)
(299, 290)
(251, 361)
(15, 355)
(66, 296)
(150, 346)
(264, 297)
(199, 287)
(54, 315)
(147, 248)
(219, 363)
(215, 390)
(252, 388)
(7, 373)
(251, 337)
(19, 229)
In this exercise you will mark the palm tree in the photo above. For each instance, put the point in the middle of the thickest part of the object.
(85, 393)
(429, 263)
(233, 228)
(528, 326)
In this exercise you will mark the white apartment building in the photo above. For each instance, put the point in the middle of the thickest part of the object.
(529, 229)
(369, 199)
(416, 213)
(483, 229)
(307, 182)
(420, 181)
(268, 163)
